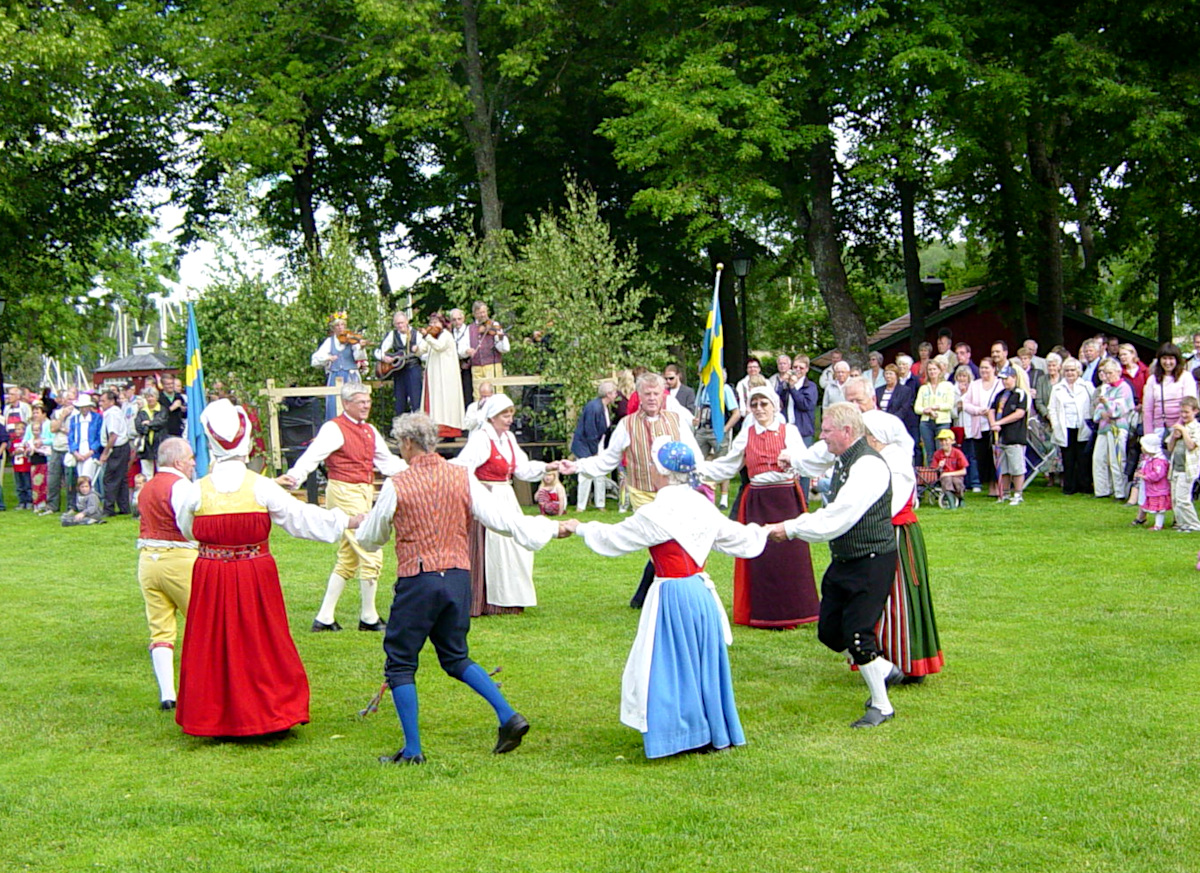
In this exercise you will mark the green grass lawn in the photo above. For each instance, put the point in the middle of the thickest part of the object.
(1063, 733)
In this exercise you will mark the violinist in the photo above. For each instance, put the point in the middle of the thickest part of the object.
(488, 343)
(399, 357)
(443, 386)
(462, 341)
(341, 357)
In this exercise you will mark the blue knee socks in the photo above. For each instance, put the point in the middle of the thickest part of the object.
(481, 683)
(405, 698)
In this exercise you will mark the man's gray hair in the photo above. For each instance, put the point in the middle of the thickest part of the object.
(418, 429)
(846, 415)
(907, 359)
(650, 380)
(350, 390)
(455, 311)
(865, 384)
(172, 450)
(149, 391)
(608, 386)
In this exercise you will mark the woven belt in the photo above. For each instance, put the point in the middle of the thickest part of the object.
(234, 553)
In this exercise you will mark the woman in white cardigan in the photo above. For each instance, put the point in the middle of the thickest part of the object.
(1070, 410)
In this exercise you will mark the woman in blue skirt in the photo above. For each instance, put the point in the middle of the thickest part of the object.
(677, 689)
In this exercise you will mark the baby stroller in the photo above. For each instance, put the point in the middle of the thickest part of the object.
(929, 487)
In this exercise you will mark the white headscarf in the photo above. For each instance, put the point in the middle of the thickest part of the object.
(227, 428)
(494, 405)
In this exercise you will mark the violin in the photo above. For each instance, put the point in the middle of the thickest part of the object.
(434, 330)
(491, 328)
(351, 338)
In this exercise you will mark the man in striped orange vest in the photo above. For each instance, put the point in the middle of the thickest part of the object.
(632, 438)
(429, 506)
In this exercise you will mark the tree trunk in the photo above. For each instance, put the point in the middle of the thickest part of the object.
(1009, 263)
(825, 250)
(1049, 240)
(907, 189)
(1082, 189)
(479, 123)
(302, 183)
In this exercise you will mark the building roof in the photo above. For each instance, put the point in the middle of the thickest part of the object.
(136, 363)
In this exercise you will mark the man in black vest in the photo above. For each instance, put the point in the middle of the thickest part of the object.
(857, 524)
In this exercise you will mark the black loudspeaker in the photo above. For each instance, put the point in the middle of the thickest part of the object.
(529, 425)
(299, 420)
(934, 289)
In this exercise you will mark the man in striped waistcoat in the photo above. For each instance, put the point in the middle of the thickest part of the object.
(632, 439)
(352, 451)
(429, 507)
(857, 524)
(165, 558)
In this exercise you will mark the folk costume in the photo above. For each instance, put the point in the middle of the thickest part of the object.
(432, 507)
(165, 559)
(443, 384)
(856, 522)
(407, 375)
(677, 688)
(352, 451)
(340, 361)
(490, 344)
(776, 589)
(501, 571)
(240, 674)
(630, 442)
(907, 632)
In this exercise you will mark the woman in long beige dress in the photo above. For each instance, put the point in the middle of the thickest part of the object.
(443, 397)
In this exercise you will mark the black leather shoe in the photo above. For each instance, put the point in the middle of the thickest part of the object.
(509, 735)
(380, 625)
(167, 705)
(319, 626)
(872, 718)
(400, 758)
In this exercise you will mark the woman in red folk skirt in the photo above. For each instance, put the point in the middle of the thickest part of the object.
(775, 590)
(240, 673)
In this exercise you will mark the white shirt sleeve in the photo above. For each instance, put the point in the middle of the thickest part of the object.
(324, 353)
(740, 540)
(727, 466)
(475, 453)
(376, 528)
(525, 470)
(814, 461)
(528, 531)
(385, 347)
(185, 509)
(385, 462)
(607, 460)
(305, 520)
(868, 480)
(502, 345)
(630, 535)
(327, 441)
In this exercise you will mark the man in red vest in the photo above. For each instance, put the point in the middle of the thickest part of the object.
(165, 558)
(430, 506)
(352, 451)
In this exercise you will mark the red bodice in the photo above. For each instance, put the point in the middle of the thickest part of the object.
(672, 562)
(496, 468)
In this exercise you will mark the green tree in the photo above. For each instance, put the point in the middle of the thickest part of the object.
(567, 276)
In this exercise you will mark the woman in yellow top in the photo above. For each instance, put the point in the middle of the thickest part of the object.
(935, 405)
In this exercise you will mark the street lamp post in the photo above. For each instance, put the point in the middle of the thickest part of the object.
(741, 267)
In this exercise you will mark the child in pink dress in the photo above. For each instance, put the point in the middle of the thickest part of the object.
(1154, 471)
(551, 497)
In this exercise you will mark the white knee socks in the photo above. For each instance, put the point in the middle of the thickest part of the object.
(876, 673)
(369, 613)
(163, 660)
(333, 591)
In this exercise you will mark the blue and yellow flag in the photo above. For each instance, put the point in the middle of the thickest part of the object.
(194, 389)
(712, 360)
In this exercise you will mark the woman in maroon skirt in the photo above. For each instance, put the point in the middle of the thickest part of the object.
(775, 590)
(240, 674)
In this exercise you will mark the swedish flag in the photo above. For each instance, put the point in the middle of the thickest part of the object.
(712, 361)
(194, 389)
